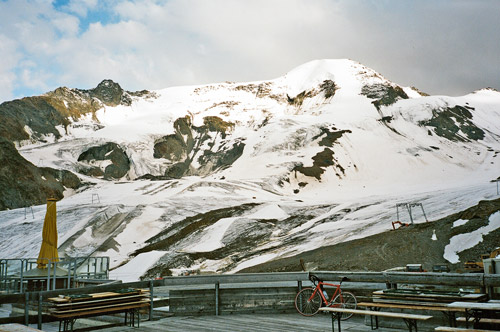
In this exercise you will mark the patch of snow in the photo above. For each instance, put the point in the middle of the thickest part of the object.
(254, 261)
(212, 239)
(462, 242)
(270, 211)
(137, 266)
(459, 222)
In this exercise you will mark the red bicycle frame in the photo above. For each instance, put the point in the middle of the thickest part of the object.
(319, 288)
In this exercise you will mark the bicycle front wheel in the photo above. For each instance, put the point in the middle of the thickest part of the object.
(307, 304)
(345, 300)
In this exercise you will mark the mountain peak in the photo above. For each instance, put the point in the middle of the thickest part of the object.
(346, 73)
(110, 93)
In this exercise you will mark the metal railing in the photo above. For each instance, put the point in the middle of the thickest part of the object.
(32, 302)
(16, 276)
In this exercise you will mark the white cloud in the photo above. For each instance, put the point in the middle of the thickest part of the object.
(80, 7)
(155, 44)
(9, 61)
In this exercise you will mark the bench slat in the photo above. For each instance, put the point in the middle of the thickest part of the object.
(100, 307)
(457, 329)
(377, 313)
(404, 306)
(97, 301)
(100, 311)
(482, 320)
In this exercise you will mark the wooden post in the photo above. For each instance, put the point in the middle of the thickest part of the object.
(39, 311)
(21, 288)
(151, 300)
(217, 298)
(26, 309)
(299, 286)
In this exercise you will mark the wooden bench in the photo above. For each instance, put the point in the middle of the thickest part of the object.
(409, 319)
(458, 329)
(67, 310)
(449, 313)
(481, 320)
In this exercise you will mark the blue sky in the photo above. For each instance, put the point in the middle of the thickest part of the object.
(441, 47)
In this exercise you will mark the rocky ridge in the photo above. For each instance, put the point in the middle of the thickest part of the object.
(223, 176)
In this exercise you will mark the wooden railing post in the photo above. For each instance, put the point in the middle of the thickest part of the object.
(26, 309)
(217, 298)
(151, 302)
(39, 311)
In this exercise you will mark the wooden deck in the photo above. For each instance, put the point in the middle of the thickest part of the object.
(234, 323)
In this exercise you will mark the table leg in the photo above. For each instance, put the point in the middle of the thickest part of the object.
(337, 317)
(411, 323)
(452, 320)
(467, 316)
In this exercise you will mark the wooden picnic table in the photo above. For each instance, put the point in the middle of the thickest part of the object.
(68, 309)
(410, 295)
(476, 310)
(409, 319)
(448, 312)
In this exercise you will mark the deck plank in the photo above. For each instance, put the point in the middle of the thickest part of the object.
(242, 323)
(247, 323)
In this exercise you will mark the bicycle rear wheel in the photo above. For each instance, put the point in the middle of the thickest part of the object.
(306, 305)
(348, 302)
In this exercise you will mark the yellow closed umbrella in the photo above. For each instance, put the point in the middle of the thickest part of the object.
(48, 250)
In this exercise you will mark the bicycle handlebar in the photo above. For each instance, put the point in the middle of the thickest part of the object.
(314, 279)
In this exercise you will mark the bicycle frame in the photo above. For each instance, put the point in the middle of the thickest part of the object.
(319, 288)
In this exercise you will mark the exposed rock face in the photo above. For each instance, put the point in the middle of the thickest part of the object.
(328, 87)
(110, 93)
(454, 123)
(108, 161)
(58, 108)
(23, 184)
(384, 94)
(325, 158)
(49, 115)
(37, 113)
(383, 251)
(198, 150)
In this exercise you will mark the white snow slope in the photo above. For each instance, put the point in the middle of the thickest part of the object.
(376, 164)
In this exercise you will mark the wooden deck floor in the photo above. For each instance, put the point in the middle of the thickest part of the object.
(247, 323)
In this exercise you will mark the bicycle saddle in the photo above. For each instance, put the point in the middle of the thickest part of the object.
(314, 279)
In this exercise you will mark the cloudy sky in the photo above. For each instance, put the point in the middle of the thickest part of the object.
(441, 47)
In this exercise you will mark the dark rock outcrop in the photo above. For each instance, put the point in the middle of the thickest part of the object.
(24, 184)
(325, 158)
(110, 93)
(384, 94)
(119, 162)
(454, 123)
(190, 143)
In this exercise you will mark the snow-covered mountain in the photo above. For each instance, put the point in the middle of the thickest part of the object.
(223, 176)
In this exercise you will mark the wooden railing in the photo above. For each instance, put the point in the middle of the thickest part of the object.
(220, 283)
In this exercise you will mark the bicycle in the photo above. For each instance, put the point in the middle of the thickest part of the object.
(309, 300)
